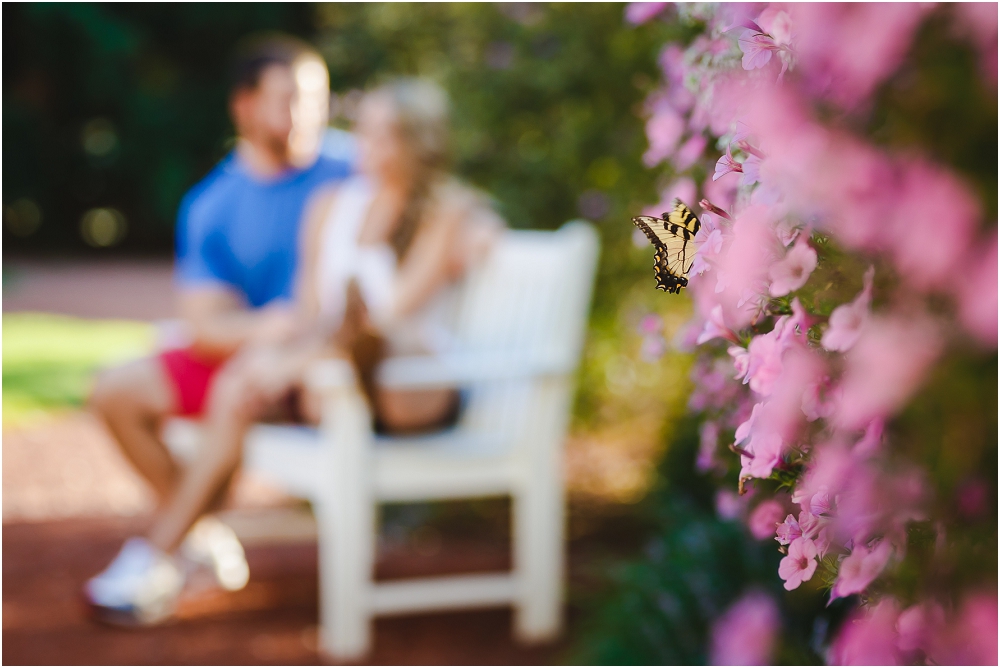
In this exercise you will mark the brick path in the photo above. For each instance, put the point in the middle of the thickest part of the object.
(272, 621)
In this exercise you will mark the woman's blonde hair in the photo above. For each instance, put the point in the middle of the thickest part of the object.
(421, 108)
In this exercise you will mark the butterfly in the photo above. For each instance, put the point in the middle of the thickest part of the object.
(672, 237)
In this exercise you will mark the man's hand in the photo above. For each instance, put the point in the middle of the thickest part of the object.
(221, 324)
(275, 324)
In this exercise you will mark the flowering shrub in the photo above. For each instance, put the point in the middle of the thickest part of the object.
(845, 292)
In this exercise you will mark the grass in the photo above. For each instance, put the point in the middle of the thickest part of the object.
(49, 360)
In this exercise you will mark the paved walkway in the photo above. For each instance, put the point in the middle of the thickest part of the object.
(133, 289)
(272, 621)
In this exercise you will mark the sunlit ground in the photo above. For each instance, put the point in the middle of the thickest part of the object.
(49, 360)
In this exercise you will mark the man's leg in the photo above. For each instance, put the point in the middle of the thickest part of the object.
(231, 408)
(133, 400)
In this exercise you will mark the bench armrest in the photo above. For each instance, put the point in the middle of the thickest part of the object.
(464, 369)
(426, 372)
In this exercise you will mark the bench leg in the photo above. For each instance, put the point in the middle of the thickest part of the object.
(538, 539)
(345, 515)
(539, 521)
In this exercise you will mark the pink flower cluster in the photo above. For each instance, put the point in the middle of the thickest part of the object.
(745, 634)
(807, 391)
(922, 633)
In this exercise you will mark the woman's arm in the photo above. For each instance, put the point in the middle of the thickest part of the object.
(310, 236)
(460, 233)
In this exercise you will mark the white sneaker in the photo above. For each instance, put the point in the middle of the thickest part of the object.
(138, 588)
(211, 544)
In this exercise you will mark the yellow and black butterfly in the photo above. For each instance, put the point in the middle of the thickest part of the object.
(672, 236)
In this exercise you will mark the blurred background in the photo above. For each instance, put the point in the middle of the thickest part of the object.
(111, 112)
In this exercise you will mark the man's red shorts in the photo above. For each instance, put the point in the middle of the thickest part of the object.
(191, 377)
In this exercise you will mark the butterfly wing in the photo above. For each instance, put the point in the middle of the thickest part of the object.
(682, 221)
(672, 236)
(671, 258)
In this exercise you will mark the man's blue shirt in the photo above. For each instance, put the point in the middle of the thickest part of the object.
(241, 232)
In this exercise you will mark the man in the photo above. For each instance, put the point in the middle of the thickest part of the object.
(236, 259)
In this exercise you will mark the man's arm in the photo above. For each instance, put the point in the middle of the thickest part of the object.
(220, 323)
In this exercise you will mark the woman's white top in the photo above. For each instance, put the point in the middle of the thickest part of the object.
(428, 330)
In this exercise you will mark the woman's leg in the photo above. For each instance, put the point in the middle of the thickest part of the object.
(415, 410)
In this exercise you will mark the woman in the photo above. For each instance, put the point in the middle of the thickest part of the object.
(380, 256)
(382, 252)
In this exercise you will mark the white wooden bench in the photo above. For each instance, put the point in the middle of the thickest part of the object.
(521, 326)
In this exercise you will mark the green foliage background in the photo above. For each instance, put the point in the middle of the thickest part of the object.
(547, 108)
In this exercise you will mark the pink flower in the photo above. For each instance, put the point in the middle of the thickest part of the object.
(799, 565)
(885, 367)
(726, 164)
(976, 286)
(785, 230)
(819, 505)
(814, 406)
(742, 268)
(744, 429)
(868, 639)
(745, 633)
(700, 265)
(860, 568)
(788, 530)
(764, 451)
(816, 529)
(830, 468)
(931, 203)
(638, 13)
(871, 440)
(751, 170)
(709, 241)
(689, 152)
(917, 626)
(741, 360)
(776, 23)
(845, 51)
(765, 518)
(792, 272)
(847, 320)
(764, 363)
(722, 191)
(971, 639)
(794, 327)
(663, 130)
(732, 15)
(715, 327)
(756, 48)
(872, 501)
(782, 413)
(675, 70)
